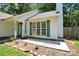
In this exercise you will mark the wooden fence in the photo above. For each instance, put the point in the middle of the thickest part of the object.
(71, 32)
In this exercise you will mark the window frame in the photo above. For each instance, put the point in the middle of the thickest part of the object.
(44, 28)
(34, 28)
(38, 28)
(34, 33)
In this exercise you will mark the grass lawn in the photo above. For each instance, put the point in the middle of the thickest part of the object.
(9, 51)
(77, 42)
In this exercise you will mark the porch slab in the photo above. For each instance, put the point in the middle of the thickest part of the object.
(48, 43)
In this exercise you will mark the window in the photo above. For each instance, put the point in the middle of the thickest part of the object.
(43, 28)
(43, 25)
(43, 32)
(38, 28)
(34, 29)
(34, 26)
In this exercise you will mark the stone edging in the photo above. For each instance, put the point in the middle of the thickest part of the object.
(31, 51)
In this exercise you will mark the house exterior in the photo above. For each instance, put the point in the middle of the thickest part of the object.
(48, 25)
(40, 25)
(33, 24)
(43, 25)
(20, 24)
(6, 25)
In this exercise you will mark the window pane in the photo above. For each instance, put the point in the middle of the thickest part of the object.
(43, 24)
(38, 24)
(43, 31)
(38, 31)
(33, 31)
(38, 28)
(34, 25)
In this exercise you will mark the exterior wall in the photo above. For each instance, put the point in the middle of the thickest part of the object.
(27, 28)
(53, 27)
(59, 7)
(23, 30)
(6, 28)
(15, 29)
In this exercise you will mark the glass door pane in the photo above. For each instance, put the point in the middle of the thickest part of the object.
(38, 28)
(43, 25)
(44, 32)
(34, 29)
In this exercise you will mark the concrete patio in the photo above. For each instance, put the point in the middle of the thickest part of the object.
(61, 45)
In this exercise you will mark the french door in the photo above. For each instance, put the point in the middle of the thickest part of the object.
(40, 28)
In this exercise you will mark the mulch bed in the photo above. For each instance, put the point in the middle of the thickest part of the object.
(44, 51)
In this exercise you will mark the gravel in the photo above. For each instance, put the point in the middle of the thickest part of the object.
(44, 51)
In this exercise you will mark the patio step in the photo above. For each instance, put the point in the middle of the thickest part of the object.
(59, 39)
(48, 43)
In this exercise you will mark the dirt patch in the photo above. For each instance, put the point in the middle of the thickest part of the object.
(40, 50)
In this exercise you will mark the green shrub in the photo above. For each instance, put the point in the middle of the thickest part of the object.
(77, 42)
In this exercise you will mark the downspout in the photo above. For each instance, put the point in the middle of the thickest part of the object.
(15, 32)
(15, 29)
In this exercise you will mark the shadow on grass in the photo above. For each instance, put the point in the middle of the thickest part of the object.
(3, 39)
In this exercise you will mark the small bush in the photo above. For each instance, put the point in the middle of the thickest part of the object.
(25, 44)
(77, 42)
(36, 48)
(16, 42)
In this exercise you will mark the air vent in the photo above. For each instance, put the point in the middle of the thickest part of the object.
(57, 12)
